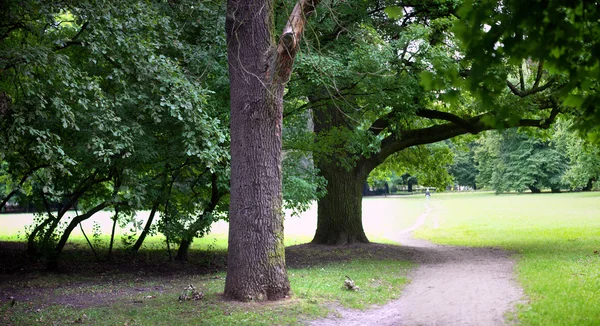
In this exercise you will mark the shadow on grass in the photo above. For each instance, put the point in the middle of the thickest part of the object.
(80, 262)
(83, 282)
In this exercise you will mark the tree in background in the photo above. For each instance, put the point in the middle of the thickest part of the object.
(583, 157)
(463, 168)
(424, 165)
(516, 161)
(380, 78)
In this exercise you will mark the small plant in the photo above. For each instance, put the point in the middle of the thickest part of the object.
(349, 284)
(97, 237)
(190, 293)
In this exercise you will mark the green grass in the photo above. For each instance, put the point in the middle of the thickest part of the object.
(314, 289)
(555, 238)
(317, 287)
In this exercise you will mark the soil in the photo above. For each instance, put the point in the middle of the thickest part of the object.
(451, 286)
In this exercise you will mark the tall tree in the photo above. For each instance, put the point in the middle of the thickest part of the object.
(382, 78)
(583, 157)
(463, 167)
(259, 69)
(516, 161)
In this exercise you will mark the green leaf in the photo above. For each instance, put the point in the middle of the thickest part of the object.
(394, 12)
(427, 80)
(574, 100)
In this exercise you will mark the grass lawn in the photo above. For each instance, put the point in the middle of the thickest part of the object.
(556, 241)
(96, 294)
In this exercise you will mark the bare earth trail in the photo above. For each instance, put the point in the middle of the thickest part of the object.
(451, 286)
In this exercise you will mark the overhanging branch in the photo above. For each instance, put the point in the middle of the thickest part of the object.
(408, 138)
(440, 115)
(73, 40)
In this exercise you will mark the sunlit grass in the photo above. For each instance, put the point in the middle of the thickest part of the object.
(555, 238)
(382, 218)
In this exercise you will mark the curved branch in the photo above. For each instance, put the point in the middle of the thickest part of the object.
(440, 115)
(397, 142)
(73, 40)
(535, 89)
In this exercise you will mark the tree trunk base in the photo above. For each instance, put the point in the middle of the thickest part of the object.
(340, 239)
(182, 252)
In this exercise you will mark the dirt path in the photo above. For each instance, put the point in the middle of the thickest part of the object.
(451, 286)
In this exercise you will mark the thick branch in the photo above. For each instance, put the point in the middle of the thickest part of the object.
(439, 115)
(73, 40)
(10, 29)
(380, 124)
(290, 38)
(395, 143)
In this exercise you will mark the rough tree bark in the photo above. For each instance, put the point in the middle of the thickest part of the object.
(258, 71)
(340, 210)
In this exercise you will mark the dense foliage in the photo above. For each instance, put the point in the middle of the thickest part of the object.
(561, 35)
(512, 160)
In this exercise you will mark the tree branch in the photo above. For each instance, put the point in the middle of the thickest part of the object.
(521, 78)
(538, 76)
(11, 28)
(290, 38)
(397, 142)
(26, 176)
(534, 90)
(440, 115)
(73, 40)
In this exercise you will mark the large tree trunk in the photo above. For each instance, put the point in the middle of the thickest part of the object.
(340, 210)
(184, 248)
(258, 71)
